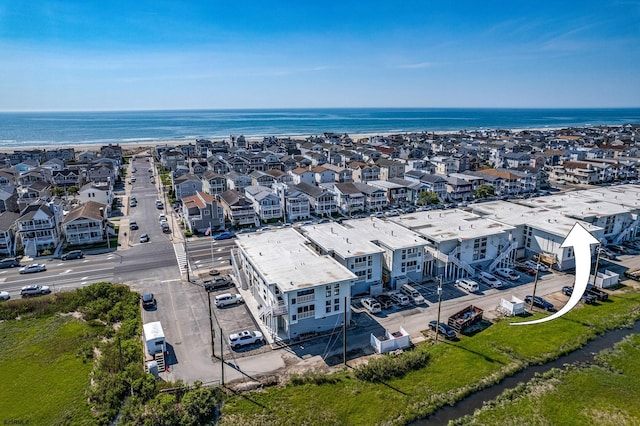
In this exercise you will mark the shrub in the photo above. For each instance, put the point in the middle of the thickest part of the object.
(389, 366)
(313, 377)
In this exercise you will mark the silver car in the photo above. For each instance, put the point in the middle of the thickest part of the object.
(34, 267)
(34, 290)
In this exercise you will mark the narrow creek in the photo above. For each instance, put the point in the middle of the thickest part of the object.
(474, 401)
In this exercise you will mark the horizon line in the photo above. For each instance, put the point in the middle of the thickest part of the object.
(305, 108)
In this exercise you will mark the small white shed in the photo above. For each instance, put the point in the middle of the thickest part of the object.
(605, 279)
(154, 337)
(511, 307)
(390, 341)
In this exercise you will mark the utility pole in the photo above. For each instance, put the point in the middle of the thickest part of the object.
(186, 259)
(344, 333)
(595, 273)
(439, 303)
(535, 282)
(221, 358)
(213, 332)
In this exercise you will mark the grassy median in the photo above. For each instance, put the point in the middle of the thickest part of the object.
(454, 370)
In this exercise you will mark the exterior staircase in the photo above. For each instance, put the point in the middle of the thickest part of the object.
(627, 231)
(505, 258)
(453, 258)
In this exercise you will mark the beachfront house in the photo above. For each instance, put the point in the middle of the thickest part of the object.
(39, 227)
(97, 192)
(201, 212)
(8, 233)
(87, 224)
(186, 185)
(213, 183)
(9, 199)
(66, 178)
(265, 203)
(323, 202)
(238, 209)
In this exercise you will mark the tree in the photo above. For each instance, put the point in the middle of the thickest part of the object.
(57, 191)
(484, 191)
(427, 198)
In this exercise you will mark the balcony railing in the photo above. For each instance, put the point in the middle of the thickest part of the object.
(306, 298)
(303, 315)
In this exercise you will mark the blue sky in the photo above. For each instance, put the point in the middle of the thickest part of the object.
(123, 55)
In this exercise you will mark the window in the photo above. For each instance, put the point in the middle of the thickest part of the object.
(479, 248)
(336, 289)
(328, 309)
(328, 293)
(307, 311)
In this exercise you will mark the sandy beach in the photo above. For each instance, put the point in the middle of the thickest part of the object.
(135, 147)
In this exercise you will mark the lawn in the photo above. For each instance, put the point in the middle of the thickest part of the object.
(455, 369)
(609, 394)
(44, 377)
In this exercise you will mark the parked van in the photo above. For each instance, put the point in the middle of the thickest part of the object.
(468, 285)
(228, 299)
(413, 294)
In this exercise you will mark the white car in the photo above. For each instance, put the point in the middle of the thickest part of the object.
(244, 338)
(399, 298)
(34, 267)
(535, 265)
(467, 284)
(228, 299)
(507, 273)
(4, 295)
(162, 218)
(489, 280)
(371, 305)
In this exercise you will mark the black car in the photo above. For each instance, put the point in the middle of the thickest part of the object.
(218, 283)
(148, 301)
(444, 329)
(10, 262)
(384, 301)
(540, 303)
(74, 254)
(586, 297)
(600, 294)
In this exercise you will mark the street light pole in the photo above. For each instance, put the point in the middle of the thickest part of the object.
(439, 303)
(186, 259)
(535, 282)
(595, 273)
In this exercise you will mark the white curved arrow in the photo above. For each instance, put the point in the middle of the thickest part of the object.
(580, 239)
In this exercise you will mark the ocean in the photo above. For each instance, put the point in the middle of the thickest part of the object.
(77, 128)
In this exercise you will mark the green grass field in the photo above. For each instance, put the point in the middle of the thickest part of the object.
(603, 394)
(454, 370)
(44, 377)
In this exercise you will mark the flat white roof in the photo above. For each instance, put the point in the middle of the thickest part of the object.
(152, 330)
(576, 204)
(283, 257)
(387, 233)
(550, 221)
(623, 195)
(446, 225)
(345, 240)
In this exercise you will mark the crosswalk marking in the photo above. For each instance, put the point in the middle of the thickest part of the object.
(181, 257)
